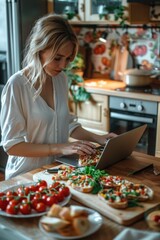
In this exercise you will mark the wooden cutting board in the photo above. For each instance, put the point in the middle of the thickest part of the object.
(124, 217)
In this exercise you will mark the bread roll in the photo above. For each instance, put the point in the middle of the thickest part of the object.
(75, 211)
(67, 231)
(80, 225)
(65, 214)
(52, 224)
(54, 210)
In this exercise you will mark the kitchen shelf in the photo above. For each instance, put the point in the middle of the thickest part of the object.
(105, 24)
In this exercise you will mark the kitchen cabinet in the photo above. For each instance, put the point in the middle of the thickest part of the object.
(86, 10)
(72, 7)
(93, 114)
(94, 8)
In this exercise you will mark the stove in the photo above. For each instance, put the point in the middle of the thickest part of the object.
(128, 113)
(146, 89)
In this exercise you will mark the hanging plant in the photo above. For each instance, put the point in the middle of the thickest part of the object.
(117, 11)
(75, 80)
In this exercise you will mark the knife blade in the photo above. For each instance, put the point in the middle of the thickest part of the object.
(140, 170)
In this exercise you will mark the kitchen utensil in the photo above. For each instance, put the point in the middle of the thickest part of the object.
(140, 169)
(122, 60)
(135, 77)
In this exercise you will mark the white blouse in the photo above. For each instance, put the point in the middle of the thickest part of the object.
(24, 119)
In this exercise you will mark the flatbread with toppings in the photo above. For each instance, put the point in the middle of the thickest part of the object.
(137, 191)
(89, 160)
(112, 181)
(81, 183)
(113, 198)
(63, 173)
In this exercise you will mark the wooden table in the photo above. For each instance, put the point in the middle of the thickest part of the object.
(109, 228)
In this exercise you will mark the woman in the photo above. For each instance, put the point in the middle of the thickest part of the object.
(35, 119)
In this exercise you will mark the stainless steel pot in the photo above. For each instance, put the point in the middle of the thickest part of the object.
(137, 77)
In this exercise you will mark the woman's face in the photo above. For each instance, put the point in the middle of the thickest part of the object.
(60, 61)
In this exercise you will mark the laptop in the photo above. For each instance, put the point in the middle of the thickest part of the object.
(115, 149)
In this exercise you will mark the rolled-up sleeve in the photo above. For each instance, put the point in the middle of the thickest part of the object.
(13, 124)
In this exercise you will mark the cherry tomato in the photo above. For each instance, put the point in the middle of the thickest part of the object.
(20, 189)
(12, 209)
(41, 183)
(60, 196)
(55, 186)
(44, 198)
(65, 190)
(51, 200)
(3, 203)
(41, 207)
(33, 188)
(14, 202)
(43, 189)
(25, 208)
(2, 194)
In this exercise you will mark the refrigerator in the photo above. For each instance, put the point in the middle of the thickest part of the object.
(17, 18)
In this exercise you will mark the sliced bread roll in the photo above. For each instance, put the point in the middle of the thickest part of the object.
(65, 214)
(52, 224)
(75, 211)
(80, 225)
(54, 210)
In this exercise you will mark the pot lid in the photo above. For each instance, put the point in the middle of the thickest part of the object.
(137, 72)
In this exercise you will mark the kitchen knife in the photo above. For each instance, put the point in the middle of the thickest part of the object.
(140, 169)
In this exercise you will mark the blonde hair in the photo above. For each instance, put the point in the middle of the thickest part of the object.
(50, 31)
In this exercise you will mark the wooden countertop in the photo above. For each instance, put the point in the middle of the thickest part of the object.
(109, 227)
(108, 87)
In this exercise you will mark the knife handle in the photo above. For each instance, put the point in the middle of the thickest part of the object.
(52, 170)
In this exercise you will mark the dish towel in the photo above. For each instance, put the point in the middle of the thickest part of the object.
(132, 234)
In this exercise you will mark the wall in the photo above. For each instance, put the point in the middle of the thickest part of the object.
(143, 46)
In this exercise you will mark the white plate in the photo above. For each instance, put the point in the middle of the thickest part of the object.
(34, 213)
(95, 220)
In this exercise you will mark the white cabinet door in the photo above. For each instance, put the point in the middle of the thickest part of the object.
(94, 7)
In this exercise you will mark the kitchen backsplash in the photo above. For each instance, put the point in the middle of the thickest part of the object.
(143, 45)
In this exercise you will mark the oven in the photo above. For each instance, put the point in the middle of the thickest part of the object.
(128, 113)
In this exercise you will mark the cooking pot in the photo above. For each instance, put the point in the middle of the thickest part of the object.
(137, 77)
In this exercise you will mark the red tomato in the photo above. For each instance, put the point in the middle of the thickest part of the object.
(60, 196)
(55, 185)
(14, 202)
(44, 198)
(43, 189)
(41, 183)
(25, 208)
(3, 203)
(20, 189)
(34, 203)
(2, 194)
(51, 200)
(65, 191)
(41, 207)
(33, 188)
(27, 190)
(12, 209)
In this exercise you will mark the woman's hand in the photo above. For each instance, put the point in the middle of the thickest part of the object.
(78, 147)
(102, 139)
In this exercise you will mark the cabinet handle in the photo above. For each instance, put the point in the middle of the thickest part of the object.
(82, 7)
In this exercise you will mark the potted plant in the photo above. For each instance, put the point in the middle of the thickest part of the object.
(118, 12)
(74, 74)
